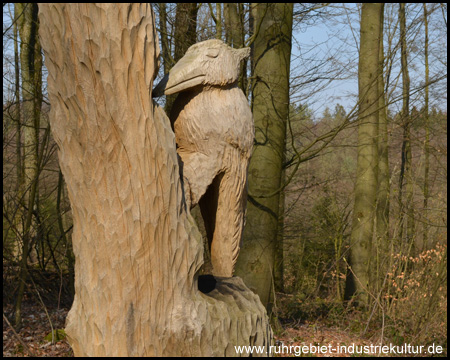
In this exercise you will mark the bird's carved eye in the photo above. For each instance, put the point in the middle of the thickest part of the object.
(212, 53)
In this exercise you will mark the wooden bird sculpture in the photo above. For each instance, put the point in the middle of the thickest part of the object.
(214, 133)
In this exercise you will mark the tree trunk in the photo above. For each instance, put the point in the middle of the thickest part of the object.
(185, 28)
(20, 213)
(137, 249)
(219, 21)
(426, 180)
(367, 163)
(19, 161)
(165, 47)
(31, 71)
(270, 106)
(185, 36)
(405, 184)
(235, 35)
(68, 244)
(278, 264)
(382, 214)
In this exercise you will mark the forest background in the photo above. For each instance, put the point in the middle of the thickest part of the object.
(299, 250)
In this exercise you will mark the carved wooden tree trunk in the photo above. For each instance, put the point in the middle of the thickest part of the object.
(137, 248)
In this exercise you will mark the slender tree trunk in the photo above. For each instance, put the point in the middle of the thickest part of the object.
(358, 284)
(233, 30)
(185, 36)
(270, 105)
(235, 35)
(243, 77)
(137, 249)
(31, 71)
(426, 180)
(227, 10)
(406, 179)
(219, 21)
(165, 47)
(382, 215)
(278, 267)
(69, 250)
(19, 146)
(19, 160)
(185, 28)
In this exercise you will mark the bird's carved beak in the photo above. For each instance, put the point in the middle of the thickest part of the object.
(186, 74)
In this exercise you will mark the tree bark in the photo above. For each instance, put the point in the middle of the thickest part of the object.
(138, 251)
(185, 28)
(270, 107)
(20, 213)
(426, 179)
(68, 244)
(367, 163)
(185, 36)
(219, 21)
(235, 35)
(31, 73)
(406, 222)
(19, 161)
(382, 214)
(166, 55)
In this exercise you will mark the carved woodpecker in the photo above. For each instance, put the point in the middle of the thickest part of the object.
(214, 132)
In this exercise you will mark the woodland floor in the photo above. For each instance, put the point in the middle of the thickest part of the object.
(318, 335)
(36, 327)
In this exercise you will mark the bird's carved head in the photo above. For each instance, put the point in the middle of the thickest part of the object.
(210, 62)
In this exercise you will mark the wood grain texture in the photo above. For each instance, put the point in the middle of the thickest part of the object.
(137, 248)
